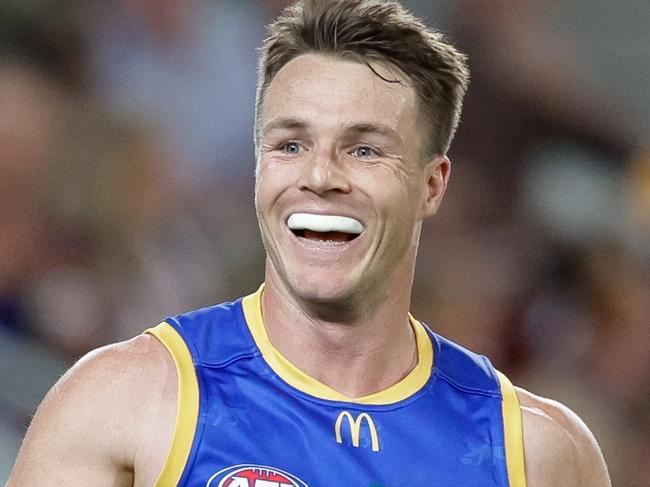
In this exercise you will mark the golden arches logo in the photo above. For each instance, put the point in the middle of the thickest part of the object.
(355, 429)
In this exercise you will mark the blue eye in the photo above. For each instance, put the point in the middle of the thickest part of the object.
(364, 152)
(291, 148)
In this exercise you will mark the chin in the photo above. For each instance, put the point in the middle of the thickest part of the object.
(324, 288)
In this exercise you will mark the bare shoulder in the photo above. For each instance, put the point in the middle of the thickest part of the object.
(559, 448)
(120, 370)
(93, 421)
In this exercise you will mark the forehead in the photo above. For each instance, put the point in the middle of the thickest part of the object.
(326, 89)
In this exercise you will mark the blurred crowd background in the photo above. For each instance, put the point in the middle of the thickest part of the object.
(126, 192)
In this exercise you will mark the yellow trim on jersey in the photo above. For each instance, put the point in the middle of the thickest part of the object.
(513, 433)
(295, 377)
(187, 409)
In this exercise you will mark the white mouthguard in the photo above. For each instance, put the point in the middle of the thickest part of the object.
(324, 223)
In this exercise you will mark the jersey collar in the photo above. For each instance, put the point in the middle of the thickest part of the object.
(409, 385)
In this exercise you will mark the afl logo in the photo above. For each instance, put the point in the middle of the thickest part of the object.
(254, 476)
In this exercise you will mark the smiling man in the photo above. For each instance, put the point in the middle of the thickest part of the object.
(321, 377)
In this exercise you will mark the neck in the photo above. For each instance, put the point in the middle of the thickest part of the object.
(357, 349)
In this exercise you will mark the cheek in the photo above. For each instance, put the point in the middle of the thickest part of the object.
(268, 186)
(400, 200)
(402, 217)
(264, 198)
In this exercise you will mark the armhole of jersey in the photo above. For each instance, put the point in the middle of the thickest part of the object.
(513, 433)
(187, 409)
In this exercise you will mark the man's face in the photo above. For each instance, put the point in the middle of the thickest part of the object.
(341, 188)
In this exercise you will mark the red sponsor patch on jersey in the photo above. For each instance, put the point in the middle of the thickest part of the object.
(254, 476)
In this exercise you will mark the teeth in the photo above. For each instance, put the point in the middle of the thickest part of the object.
(324, 223)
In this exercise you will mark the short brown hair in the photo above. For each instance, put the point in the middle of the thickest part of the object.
(372, 31)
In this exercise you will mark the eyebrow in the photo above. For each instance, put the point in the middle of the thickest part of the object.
(371, 128)
(284, 123)
(355, 128)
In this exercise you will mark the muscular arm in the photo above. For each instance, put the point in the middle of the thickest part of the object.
(97, 425)
(559, 449)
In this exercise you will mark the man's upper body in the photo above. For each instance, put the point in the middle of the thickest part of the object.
(110, 421)
(350, 162)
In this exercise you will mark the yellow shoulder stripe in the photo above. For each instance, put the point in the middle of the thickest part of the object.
(187, 409)
(513, 433)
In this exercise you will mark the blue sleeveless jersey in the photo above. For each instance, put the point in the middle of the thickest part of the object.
(248, 418)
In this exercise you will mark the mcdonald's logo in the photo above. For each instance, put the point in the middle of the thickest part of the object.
(355, 429)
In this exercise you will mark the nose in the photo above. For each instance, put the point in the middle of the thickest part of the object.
(323, 173)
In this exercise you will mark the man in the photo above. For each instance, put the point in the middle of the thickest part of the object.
(321, 377)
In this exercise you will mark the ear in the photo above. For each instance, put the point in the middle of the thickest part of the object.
(436, 173)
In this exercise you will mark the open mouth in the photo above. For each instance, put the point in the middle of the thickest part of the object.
(325, 236)
(324, 228)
